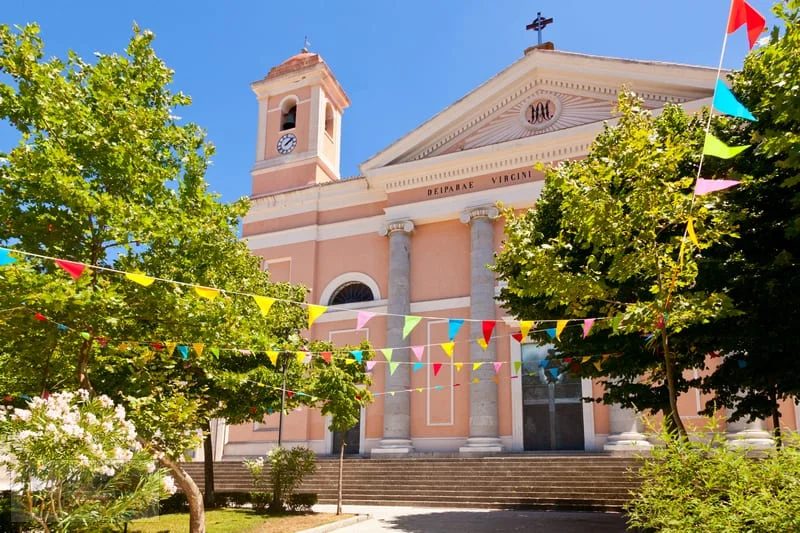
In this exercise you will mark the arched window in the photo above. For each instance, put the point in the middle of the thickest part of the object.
(352, 292)
(329, 120)
(288, 114)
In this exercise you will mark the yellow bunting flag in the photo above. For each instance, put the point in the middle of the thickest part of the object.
(314, 312)
(198, 348)
(525, 327)
(691, 233)
(585, 359)
(387, 353)
(409, 324)
(717, 148)
(141, 279)
(482, 343)
(476, 366)
(598, 366)
(349, 361)
(301, 356)
(419, 389)
(392, 393)
(448, 348)
(273, 357)
(476, 380)
(264, 303)
(171, 347)
(206, 292)
(458, 366)
(560, 325)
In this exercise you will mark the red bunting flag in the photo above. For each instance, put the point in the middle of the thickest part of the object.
(743, 14)
(289, 393)
(517, 337)
(488, 327)
(326, 356)
(73, 269)
(40, 317)
(436, 368)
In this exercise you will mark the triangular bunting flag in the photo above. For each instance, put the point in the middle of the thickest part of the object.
(726, 102)
(184, 351)
(517, 366)
(358, 354)
(691, 233)
(171, 348)
(448, 348)
(392, 393)
(554, 372)
(61, 327)
(496, 379)
(349, 361)
(517, 337)
(387, 353)
(543, 363)
(560, 325)
(326, 356)
(73, 269)
(419, 389)
(207, 292)
(273, 357)
(417, 366)
(5, 258)
(85, 335)
(551, 332)
(214, 351)
(488, 326)
(476, 366)
(715, 147)
(198, 348)
(482, 344)
(301, 357)
(264, 303)
(704, 186)
(362, 318)
(40, 317)
(409, 324)
(458, 366)
(476, 380)
(393, 367)
(497, 366)
(742, 14)
(598, 366)
(314, 312)
(525, 328)
(585, 359)
(371, 365)
(437, 367)
(453, 326)
(418, 351)
(141, 279)
(587, 326)
(245, 352)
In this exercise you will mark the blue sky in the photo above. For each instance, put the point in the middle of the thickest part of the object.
(400, 62)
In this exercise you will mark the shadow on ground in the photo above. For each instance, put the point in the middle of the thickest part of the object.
(494, 521)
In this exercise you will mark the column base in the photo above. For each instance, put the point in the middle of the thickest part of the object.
(393, 447)
(482, 445)
(756, 439)
(630, 441)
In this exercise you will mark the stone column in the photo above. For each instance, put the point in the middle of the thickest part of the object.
(396, 408)
(483, 433)
(744, 434)
(625, 431)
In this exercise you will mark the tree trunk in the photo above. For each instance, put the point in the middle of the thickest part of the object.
(208, 469)
(83, 366)
(669, 367)
(341, 470)
(197, 514)
(776, 421)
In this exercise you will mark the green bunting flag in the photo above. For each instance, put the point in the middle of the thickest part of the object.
(715, 147)
(393, 367)
(387, 353)
(409, 324)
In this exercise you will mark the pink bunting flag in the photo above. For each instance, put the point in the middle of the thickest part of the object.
(587, 326)
(363, 318)
(73, 269)
(437, 367)
(370, 365)
(418, 350)
(497, 366)
(705, 186)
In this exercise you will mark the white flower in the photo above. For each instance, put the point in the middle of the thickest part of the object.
(83, 394)
(25, 434)
(108, 425)
(105, 401)
(107, 471)
(83, 460)
(150, 466)
(119, 412)
(22, 414)
(123, 455)
(169, 485)
(91, 419)
(51, 428)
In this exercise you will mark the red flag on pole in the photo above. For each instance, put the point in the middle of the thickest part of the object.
(742, 14)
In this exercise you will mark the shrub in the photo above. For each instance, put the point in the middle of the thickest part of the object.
(302, 501)
(707, 486)
(286, 470)
(260, 500)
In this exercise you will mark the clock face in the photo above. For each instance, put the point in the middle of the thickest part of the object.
(287, 143)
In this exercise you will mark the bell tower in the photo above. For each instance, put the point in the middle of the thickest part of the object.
(300, 106)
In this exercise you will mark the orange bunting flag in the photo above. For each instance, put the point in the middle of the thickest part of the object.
(171, 348)
(73, 269)
(198, 348)
(326, 356)
(448, 348)
(273, 357)
(264, 303)
(458, 366)
(488, 328)
(560, 325)
(482, 343)
(496, 379)
(691, 233)
(314, 312)
(743, 14)
(123, 346)
(525, 327)
(476, 366)
(141, 279)
(207, 292)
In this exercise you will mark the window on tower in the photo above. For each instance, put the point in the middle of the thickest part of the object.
(329, 120)
(288, 115)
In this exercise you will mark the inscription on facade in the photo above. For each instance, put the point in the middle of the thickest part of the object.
(470, 185)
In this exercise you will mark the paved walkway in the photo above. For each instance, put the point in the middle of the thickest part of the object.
(444, 520)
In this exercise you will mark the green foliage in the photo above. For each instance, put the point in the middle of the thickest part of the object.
(260, 500)
(78, 463)
(282, 470)
(302, 502)
(704, 485)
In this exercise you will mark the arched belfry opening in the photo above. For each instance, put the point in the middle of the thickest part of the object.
(351, 292)
(288, 114)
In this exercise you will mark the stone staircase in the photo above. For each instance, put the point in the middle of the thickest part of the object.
(587, 482)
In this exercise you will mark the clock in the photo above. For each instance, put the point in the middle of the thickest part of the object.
(287, 143)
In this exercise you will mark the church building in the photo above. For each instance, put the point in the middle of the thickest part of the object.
(413, 235)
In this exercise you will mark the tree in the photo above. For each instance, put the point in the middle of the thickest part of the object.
(605, 241)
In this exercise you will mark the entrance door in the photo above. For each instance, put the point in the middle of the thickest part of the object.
(352, 439)
(552, 409)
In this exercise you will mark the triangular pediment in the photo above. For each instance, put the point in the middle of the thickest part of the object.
(542, 93)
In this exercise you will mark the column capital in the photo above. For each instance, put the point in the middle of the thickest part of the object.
(487, 211)
(387, 228)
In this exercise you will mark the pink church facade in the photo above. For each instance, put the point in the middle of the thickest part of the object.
(413, 235)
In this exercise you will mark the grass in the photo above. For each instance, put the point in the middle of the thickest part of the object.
(234, 521)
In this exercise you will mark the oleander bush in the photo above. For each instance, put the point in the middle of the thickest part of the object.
(282, 470)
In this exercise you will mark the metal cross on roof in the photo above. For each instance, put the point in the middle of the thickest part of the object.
(306, 44)
(538, 24)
